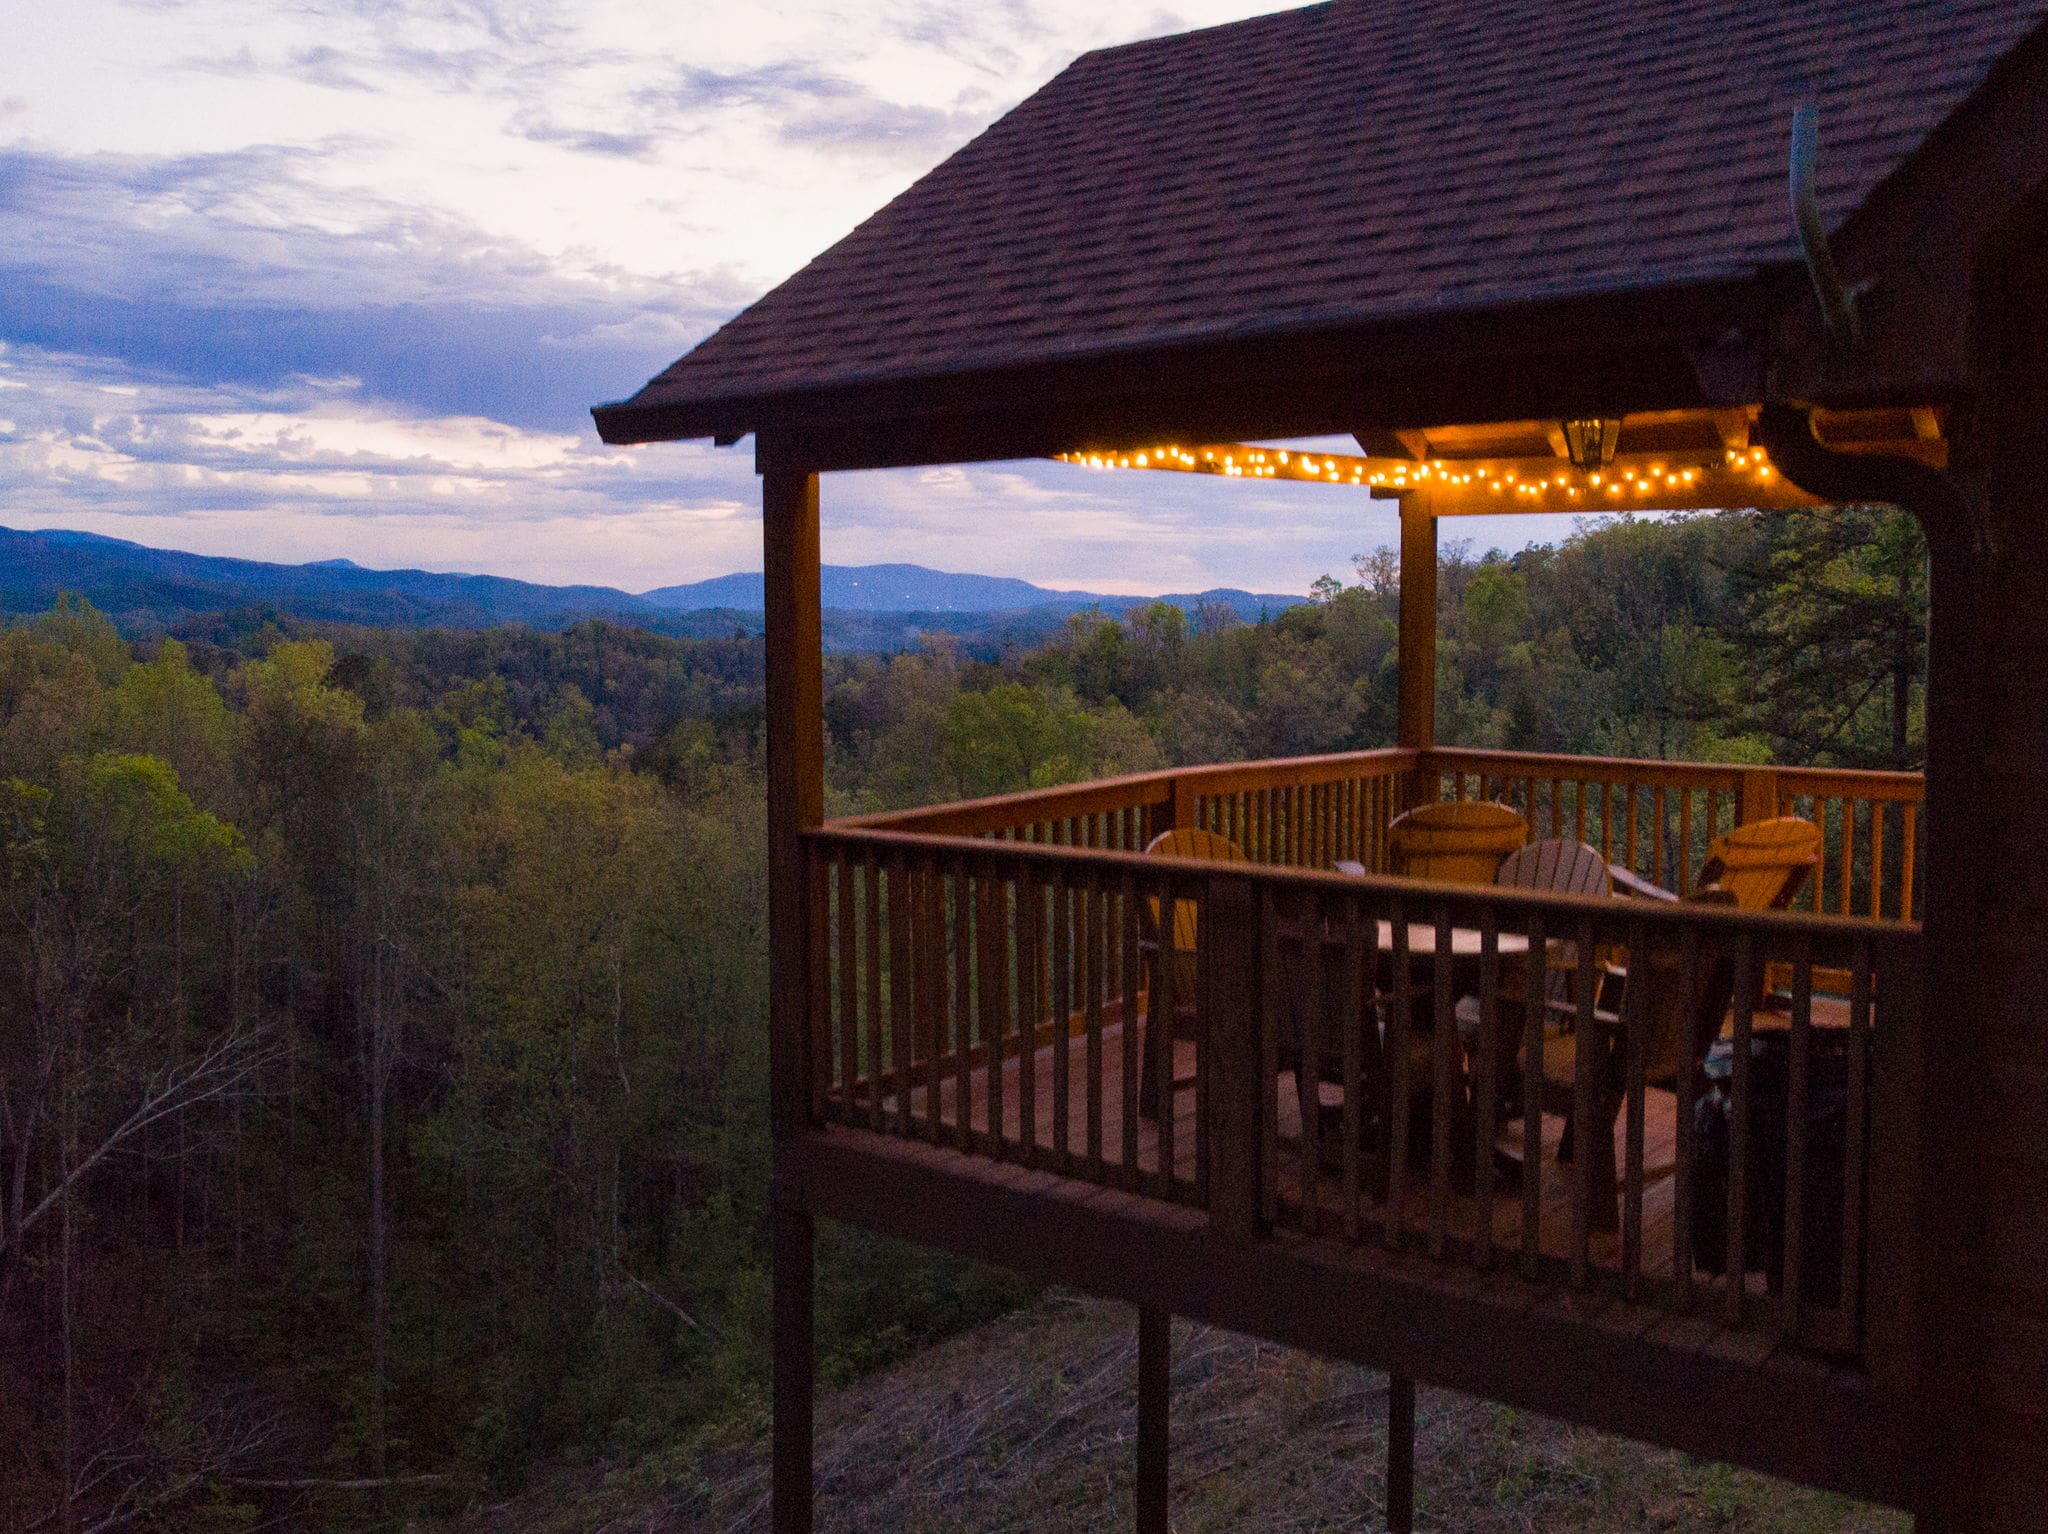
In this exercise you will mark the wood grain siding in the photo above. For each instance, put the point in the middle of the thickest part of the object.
(1999, 1472)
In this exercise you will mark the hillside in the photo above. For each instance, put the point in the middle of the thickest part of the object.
(1025, 1425)
(867, 608)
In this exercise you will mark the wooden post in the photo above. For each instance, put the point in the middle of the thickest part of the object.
(1400, 1454)
(1415, 728)
(794, 1369)
(1155, 1341)
(1759, 797)
(796, 803)
(1231, 1054)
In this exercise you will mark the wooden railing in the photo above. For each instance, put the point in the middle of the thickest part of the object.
(987, 975)
(985, 994)
(1302, 812)
(1655, 818)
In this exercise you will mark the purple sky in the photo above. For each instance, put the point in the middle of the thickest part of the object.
(342, 277)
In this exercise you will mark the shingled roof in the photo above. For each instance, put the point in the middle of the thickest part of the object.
(1355, 161)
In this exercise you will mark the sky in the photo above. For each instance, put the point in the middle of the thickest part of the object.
(313, 279)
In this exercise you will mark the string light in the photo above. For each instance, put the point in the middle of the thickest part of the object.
(1701, 483)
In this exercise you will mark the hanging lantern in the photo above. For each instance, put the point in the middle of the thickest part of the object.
(1591, 444)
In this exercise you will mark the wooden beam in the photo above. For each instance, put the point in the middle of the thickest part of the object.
(1415, 723)
(1601, 355)
(1617, 1368)
(794, 1373)
(796, 803)
(1416, 726)
(1155, 1389)
(1733, 427)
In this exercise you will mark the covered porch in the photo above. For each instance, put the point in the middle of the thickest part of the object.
(1185, 254)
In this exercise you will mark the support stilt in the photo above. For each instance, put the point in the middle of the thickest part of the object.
(1400, 1455)
(1155, 1336)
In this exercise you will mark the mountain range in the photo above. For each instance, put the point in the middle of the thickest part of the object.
(880, 607)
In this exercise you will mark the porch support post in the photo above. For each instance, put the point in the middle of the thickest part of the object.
(1400, 1454)
(1155, 1339)
(1416, 725)
(796, 803)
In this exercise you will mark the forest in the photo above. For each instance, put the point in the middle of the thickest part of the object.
(382, 1050)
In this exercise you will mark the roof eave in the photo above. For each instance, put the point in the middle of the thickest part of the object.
(1583, 332)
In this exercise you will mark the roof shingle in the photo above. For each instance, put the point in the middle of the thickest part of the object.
(1362, 160)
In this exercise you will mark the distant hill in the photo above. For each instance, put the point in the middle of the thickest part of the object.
(872, 607)
(913, 588)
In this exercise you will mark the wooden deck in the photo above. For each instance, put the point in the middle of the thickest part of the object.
(1128, 1151)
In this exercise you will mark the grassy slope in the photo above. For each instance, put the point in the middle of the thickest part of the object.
(1025, 1425)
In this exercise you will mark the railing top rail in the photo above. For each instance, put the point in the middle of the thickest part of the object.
(1033, 806)
(1141, 788)
(1422, 895)
(1856, 782)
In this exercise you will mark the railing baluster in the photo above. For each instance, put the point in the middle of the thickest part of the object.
(1443, 1059)
(1535, 990)
(1399, 1027)
(1160, 1035)
(1091, 1010)
(1030, 1011)
(1628, 856)
(1738, 1131)
(1906, 850)
(1486, 1087)
(1691, 1048)
(1848, 855)
(847, 991)
(1685, 853)
(1798, 1095)
(1636, 1043)
(871, 931)
(1352, 1016)
(1127, 1037)
(1063, 1024)
(963, 1006)
(992, 931)
(1876, 860)
(1309, 915)
(1660, 817)
(902, 971)
(1592, 1143)
(1269, 1053)
(1855, 1144)
(930, 951)
(817, 877)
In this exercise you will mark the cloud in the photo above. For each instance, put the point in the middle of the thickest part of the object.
(538, 128)
(809, 106)
(243, 269)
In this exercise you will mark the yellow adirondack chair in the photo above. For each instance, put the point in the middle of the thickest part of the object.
(1764, 864)
(1462, 842)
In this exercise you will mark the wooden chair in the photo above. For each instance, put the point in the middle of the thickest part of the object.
(1175, 941)
(1559, 866)
(1671, 1012)
(1562, 867)
(1765, 864)
(1461, 842)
